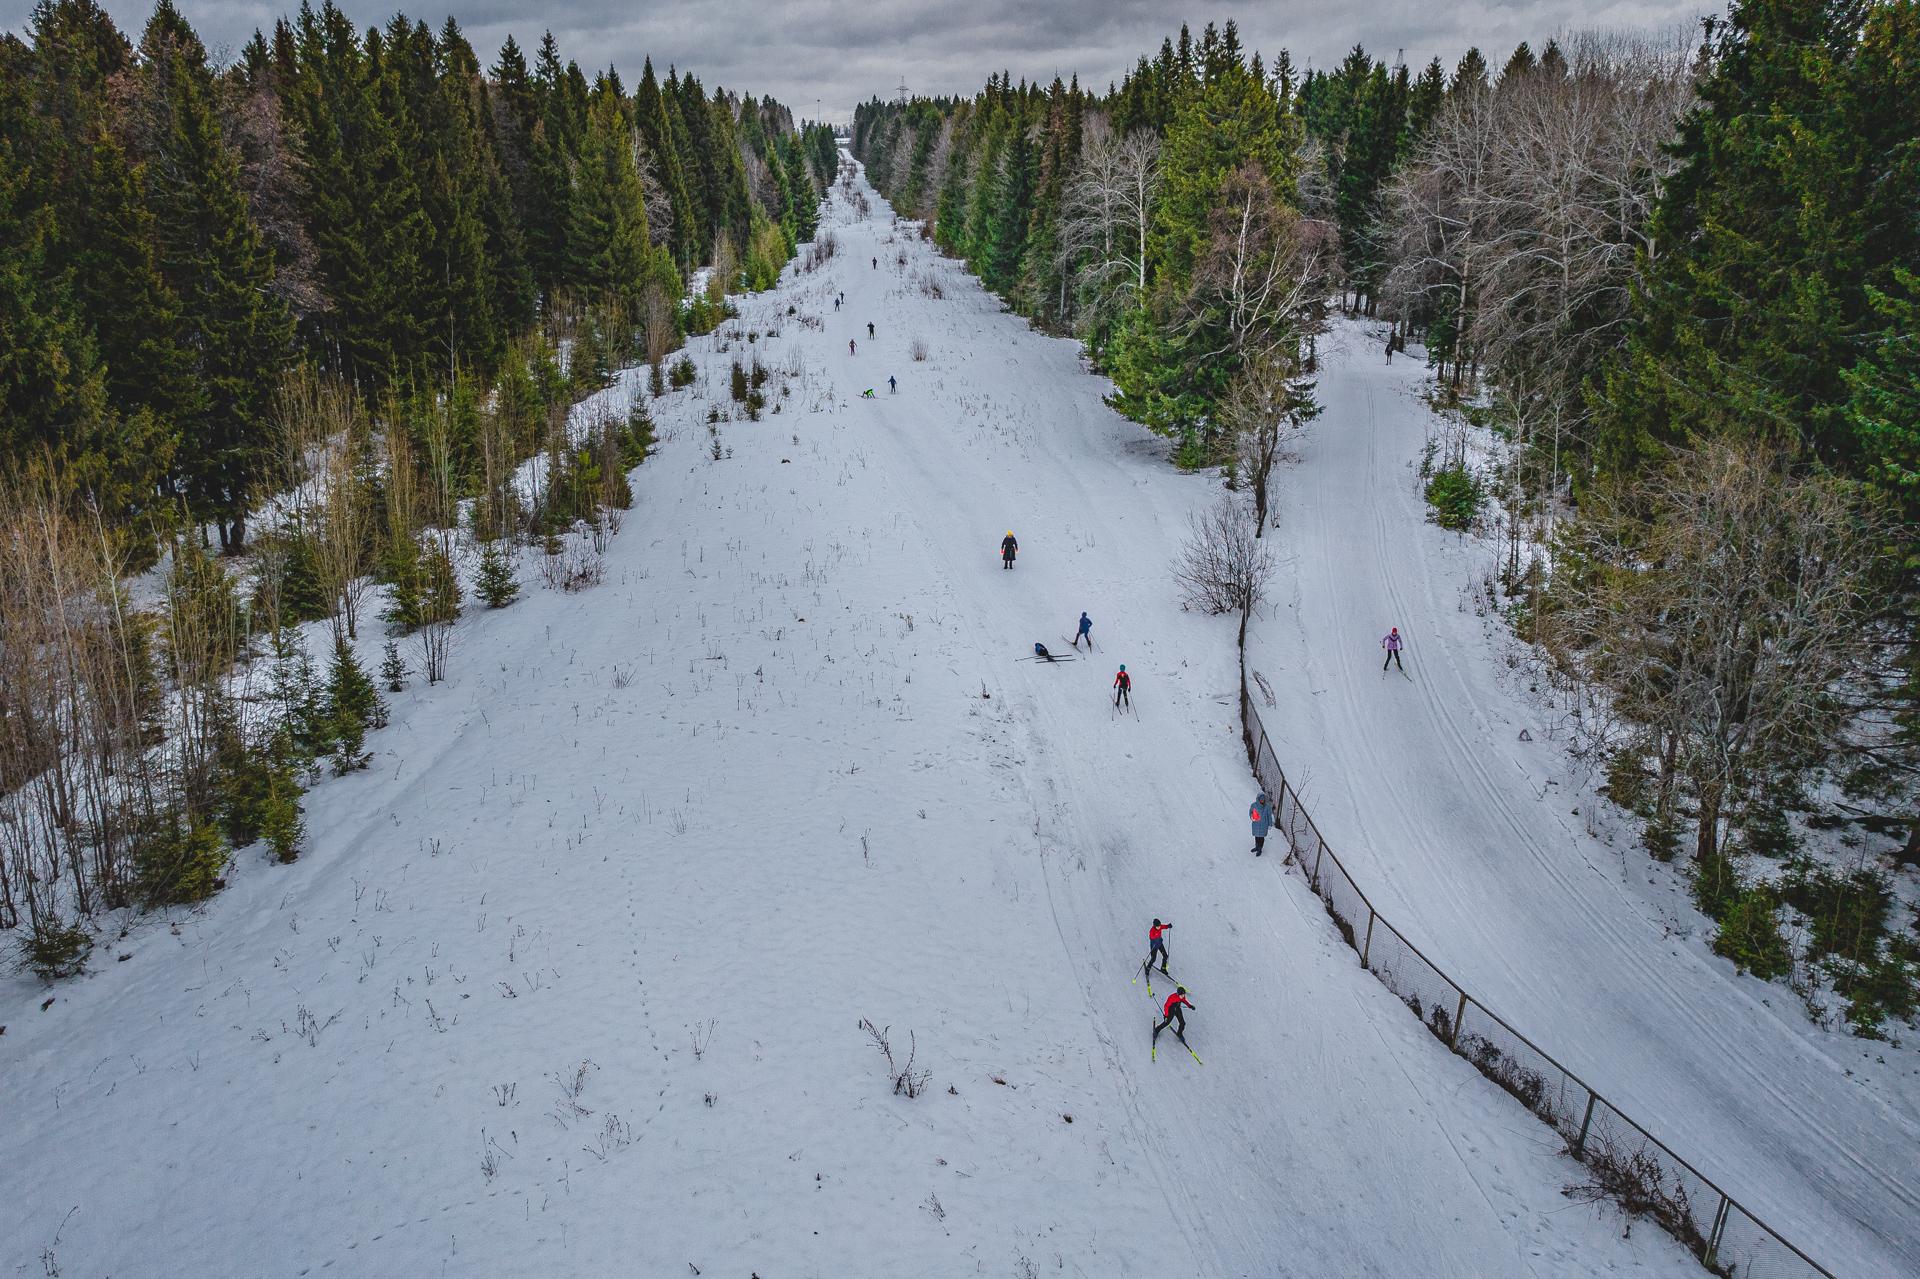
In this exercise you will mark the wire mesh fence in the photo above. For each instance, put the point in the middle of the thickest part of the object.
(1625, 1162)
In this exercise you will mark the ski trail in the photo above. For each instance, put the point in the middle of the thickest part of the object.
(1454, 832)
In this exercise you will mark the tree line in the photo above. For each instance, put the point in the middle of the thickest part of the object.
(372, 203)
(1675, 277)
(315, 310)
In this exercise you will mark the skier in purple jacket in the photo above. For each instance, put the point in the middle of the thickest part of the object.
(1391, 642)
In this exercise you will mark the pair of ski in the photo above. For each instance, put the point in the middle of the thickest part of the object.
(1116, 708)
(1075, 643)
(1054, 657)
(1153, 1053)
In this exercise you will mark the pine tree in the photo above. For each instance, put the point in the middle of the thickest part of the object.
(495, 582)
(609, 251)
(353, 707)
(213, 257)
(1785, 212)
(393, 668)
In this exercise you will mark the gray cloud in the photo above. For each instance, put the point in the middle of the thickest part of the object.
(823, 56)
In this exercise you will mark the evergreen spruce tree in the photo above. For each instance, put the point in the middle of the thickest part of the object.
(353, 707)
(393, 668)
(1784, 213)
(495, 582)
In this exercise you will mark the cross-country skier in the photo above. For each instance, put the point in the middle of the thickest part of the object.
(1391, 642)
(892, 386)
(867, 394)
(876, 264)
(1156, 945)
(1262, 817)
(836, 304)
(1174, 1012)
(849, 346)
(1040, 651)
(1086, 632)
(1008, 549)
(869, 328)
(1122, 686)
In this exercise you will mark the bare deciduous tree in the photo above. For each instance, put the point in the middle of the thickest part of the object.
(1726, 611)
(1270, 398)
(1106, 214)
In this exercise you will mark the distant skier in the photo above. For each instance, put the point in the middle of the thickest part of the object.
(1262, 817)
(867, 394)
(836, 304)
(876, 264)
(892, 386)
(869, 330)
(1041, 652)
(1156, 945)
(849, 346)
(1391, 642)
(1122, 687)
(1086, 632)
(1008, 549)
(1174, 1013)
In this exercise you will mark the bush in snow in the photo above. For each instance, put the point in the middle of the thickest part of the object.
(907, 1080)
(180, 863)
(1750, 935)
(1455, 496)
(52, 950)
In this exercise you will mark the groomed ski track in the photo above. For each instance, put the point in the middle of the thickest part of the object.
(691, 826)
(1471, 840)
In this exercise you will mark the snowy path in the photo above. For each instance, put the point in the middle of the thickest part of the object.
(569, 983)
(1464, 836)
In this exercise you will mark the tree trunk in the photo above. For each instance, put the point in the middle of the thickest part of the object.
(1707, 843)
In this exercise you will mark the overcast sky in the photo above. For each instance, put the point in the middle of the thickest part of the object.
(821, 57)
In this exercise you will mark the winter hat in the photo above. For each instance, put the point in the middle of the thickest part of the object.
(1123, 666)
(1180, 990)
(1156, 921)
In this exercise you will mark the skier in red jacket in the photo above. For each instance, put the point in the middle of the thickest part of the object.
(1175, 1010)
(1122, 685)
(1156, 945)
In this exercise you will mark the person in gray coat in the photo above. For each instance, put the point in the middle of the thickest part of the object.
(1262, 818)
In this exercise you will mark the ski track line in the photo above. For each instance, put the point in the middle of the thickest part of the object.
(1044, 725)
(1627, 934)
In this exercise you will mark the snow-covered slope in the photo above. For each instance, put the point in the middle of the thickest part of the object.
(1471, 840)
(571, 981)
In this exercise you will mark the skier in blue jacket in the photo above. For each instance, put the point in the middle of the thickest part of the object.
(1086, 632)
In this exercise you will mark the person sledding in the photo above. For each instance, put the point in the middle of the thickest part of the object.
(1156, 946)
(1009, 547)
(1122, 688)
(1085, 632)
(1391, 642)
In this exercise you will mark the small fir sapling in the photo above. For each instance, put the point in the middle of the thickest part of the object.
(392, 668)
(495, 583)
(353, 707)
(281, 824)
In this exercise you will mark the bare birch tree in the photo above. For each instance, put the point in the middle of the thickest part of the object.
(1105, 217)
